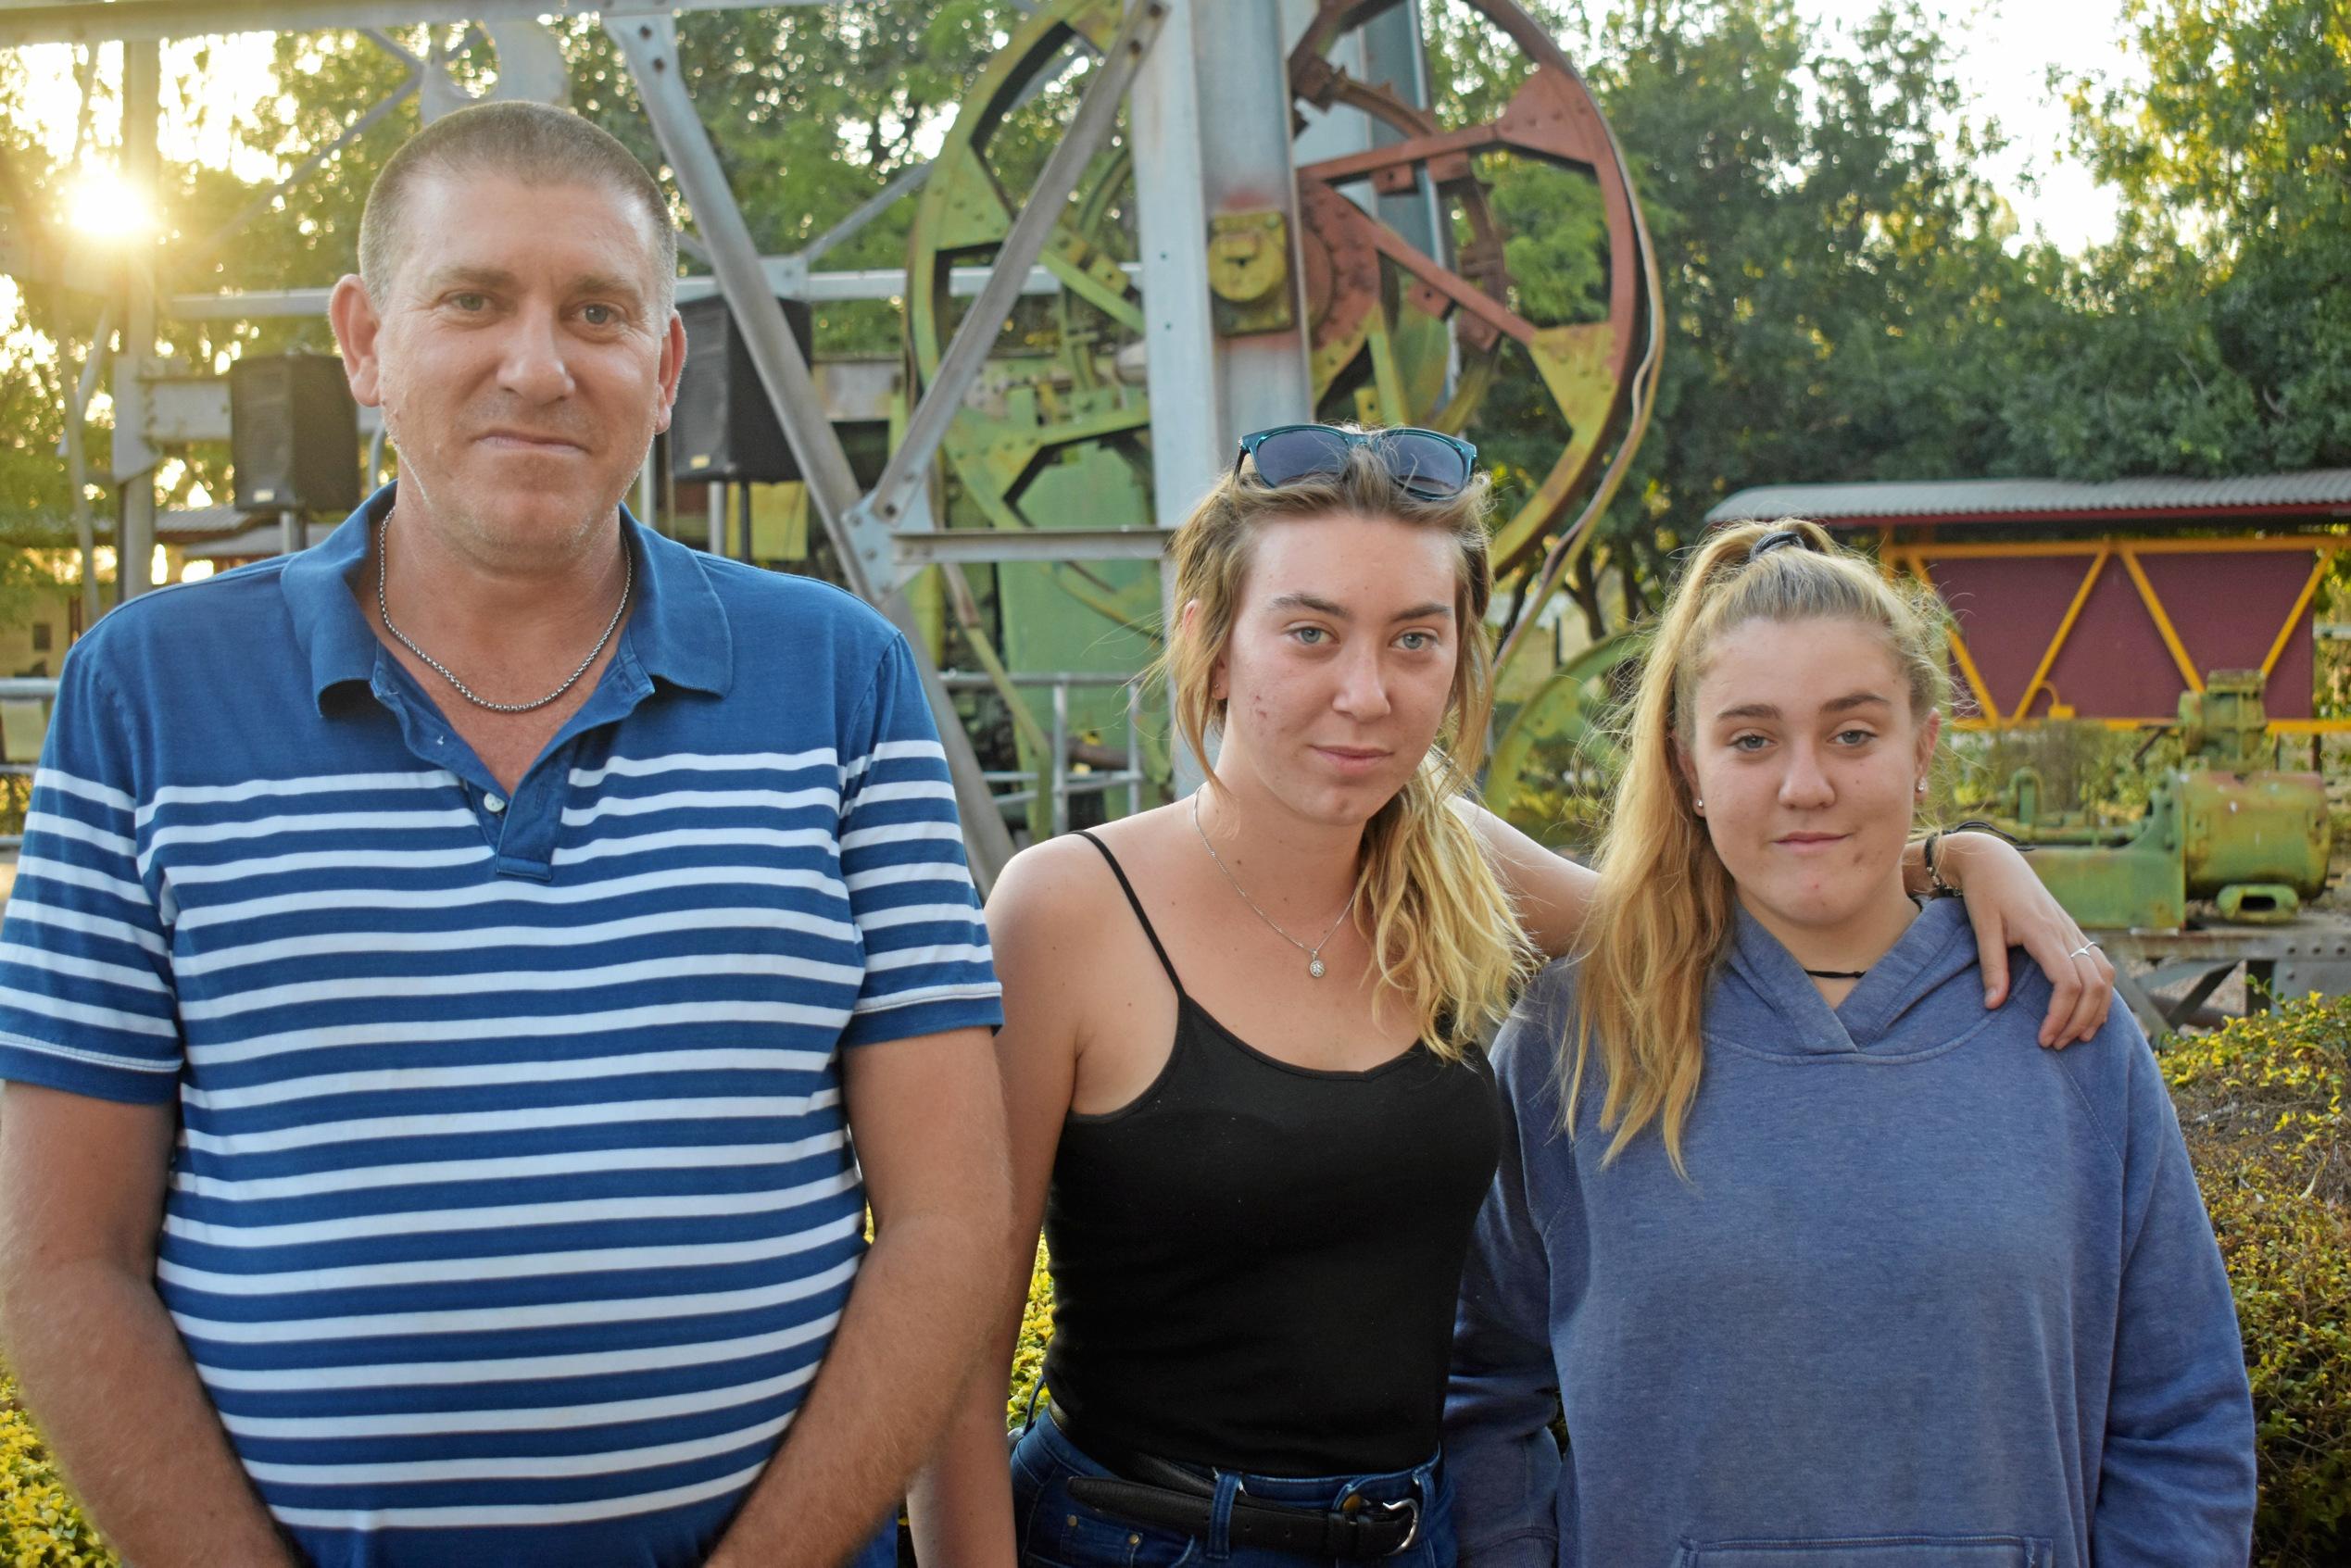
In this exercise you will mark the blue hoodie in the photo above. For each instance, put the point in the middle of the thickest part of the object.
(1931, 1296)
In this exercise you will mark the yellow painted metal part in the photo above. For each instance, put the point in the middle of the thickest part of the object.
(1248, 271)
(2065, 629)
(2301, 602)
(2188, 671)
(1917, 558)
(1573, 362)
(1960, 653)
(1388, 376)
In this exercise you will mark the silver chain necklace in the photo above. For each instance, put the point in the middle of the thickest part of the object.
(628, 581)
(1314, 953)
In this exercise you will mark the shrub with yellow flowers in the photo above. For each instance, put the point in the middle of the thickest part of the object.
(2261, 1104)
(1028, 1353)
(41, 1526)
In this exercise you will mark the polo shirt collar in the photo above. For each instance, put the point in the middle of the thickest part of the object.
(676, 633)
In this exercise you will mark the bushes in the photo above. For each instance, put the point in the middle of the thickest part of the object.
(1028, 1354)
(41, 1526)
(2261, 1102)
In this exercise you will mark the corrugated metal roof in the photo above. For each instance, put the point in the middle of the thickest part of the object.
(1971, 499)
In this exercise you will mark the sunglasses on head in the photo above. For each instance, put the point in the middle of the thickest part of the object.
(1425, 464)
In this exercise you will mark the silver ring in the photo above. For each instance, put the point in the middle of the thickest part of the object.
(2085, 947)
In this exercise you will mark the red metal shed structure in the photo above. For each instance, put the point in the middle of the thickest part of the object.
(2102, 601)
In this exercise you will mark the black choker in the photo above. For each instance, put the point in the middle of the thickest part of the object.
(1836, 974)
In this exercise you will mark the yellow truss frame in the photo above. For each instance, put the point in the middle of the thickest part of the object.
(1915, 558)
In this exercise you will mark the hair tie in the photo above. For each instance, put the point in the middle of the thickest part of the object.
(1773, 540)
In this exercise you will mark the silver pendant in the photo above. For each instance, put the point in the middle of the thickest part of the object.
(1314, 967)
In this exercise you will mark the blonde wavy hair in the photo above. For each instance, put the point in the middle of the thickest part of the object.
(1440, 925)
(1660, 918)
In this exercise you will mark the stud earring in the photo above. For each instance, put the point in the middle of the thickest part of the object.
(1922, 787)
(1700, 803)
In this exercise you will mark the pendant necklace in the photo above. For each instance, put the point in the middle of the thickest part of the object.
(383, 609)
(1314, 953)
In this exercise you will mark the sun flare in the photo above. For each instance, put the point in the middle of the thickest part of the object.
(104, 206)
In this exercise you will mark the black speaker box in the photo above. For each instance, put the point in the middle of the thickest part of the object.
(723, 427)
(293, 434)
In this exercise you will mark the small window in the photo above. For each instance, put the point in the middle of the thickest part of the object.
(41, 636)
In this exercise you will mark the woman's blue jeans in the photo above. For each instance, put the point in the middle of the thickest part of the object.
(1057, 1531)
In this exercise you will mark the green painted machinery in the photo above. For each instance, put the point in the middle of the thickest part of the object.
(1058, 434)
(2220, 826)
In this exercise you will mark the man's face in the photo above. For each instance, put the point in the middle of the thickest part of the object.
(524, 358)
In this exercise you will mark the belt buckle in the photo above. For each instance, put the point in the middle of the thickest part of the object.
(1410, 1506)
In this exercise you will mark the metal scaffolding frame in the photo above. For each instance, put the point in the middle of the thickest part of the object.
(1211, 135)
(81, 21)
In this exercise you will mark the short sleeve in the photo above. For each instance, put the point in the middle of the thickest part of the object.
(927, 965)
(86, 1000)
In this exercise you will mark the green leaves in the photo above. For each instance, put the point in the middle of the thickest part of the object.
(2261, 1103)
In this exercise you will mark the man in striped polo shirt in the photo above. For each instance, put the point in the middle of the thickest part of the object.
(448, 970)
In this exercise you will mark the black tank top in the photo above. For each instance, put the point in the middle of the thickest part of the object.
(1255, 1264)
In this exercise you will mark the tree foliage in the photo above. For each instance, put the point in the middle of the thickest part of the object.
(1837, 277)
(2214, 336)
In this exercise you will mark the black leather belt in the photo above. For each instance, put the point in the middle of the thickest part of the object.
(1167, 1496)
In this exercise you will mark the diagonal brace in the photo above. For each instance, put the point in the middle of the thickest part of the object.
(647, 41)
(894, 493)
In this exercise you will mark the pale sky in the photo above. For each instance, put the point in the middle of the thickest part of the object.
(2004, 49)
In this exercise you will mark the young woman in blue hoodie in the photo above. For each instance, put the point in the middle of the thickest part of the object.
(1240, 1049)
(1821, 1269)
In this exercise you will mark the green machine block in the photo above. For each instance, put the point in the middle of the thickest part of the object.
(2138, 884)
(1083, 616)
(2256, 829)
(2255, 840)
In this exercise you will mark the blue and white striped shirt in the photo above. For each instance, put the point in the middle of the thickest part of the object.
(513, 1207)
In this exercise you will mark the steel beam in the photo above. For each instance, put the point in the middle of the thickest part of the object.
(79, 21)
(647, 41)
(906, 180)
(786, 280)
(986, 546)
(86, 536)
(908, 467)
(1211, 135)
(141, 108)
(182, 409)
(1180, 345)
(1171, 220)
(1247, 165)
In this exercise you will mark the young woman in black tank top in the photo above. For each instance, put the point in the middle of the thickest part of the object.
(1240, 1057)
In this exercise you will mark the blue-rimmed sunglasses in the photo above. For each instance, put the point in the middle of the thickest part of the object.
(1425, 464)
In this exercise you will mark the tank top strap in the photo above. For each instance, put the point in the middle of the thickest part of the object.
(1136, 904)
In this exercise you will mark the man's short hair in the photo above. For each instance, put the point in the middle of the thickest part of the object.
(532, 143)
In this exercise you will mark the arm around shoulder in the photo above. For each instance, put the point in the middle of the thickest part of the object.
(1552, 893)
